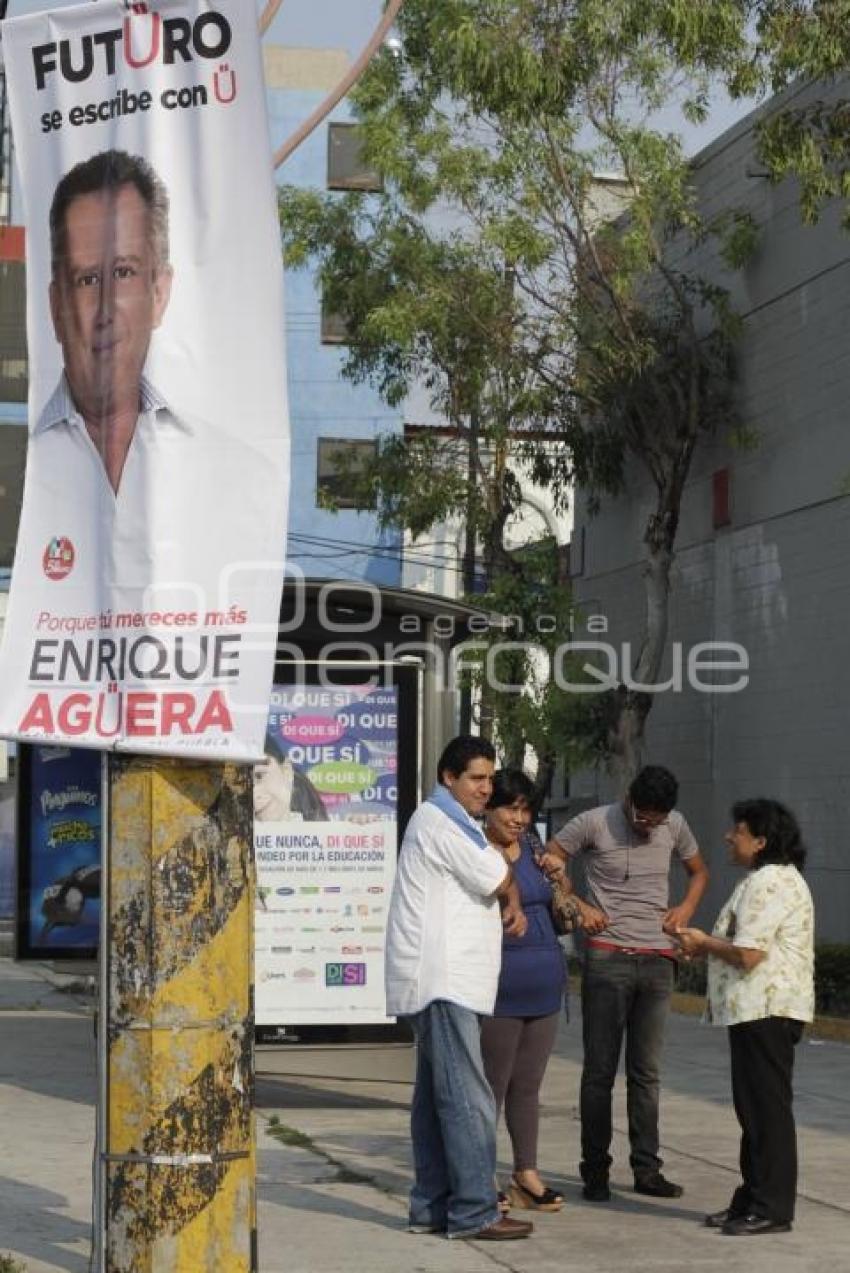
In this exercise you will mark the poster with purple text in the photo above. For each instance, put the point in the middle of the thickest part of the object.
(325, 815)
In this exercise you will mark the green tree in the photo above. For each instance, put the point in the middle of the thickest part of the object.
(796, 41)
(558, 320)
(441, 310)
(514, 677)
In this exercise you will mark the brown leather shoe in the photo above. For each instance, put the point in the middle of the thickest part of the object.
(504, 1230)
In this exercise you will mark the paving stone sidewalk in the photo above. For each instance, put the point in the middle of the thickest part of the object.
(334, 1162)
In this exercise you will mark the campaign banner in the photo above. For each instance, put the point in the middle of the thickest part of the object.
(148, 572)
(59, 876)
(325, 834)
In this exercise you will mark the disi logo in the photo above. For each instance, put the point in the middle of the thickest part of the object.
(345, 974)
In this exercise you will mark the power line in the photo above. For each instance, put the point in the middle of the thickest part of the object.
(397, 558)
(353, 549)
(329, 542)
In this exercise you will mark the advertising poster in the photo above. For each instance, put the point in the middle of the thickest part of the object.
(325, 831)
(59, 870)
(147, 578)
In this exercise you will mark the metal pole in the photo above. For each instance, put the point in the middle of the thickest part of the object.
(344, 86)
(99, 1182)
(179, 1158)
(176, 1178)
(469, 552)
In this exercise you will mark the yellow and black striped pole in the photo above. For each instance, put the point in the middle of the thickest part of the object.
(178, 1161)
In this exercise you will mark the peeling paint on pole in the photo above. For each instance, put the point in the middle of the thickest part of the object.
(180, 1175)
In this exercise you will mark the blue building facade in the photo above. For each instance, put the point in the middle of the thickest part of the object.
(327, 413)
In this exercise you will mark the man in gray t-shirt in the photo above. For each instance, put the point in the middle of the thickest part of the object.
(629, 967)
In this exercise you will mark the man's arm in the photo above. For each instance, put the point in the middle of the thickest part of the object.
(514, 920)
(695, 942)
(555, 864)
(680, 916)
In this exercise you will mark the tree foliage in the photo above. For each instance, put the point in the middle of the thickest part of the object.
(791, 42)
(532, 261)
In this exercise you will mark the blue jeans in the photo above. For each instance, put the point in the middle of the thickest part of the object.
(622, 995)
(452, 1123)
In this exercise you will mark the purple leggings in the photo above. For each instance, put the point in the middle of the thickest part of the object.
(516, 1051)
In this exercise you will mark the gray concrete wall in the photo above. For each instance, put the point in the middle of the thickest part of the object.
(777, 579)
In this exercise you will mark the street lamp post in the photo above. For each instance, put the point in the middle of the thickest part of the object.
(176, 1178)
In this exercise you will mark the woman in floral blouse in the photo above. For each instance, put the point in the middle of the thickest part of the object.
(761, 985)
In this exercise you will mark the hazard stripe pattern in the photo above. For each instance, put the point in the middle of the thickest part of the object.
(180, 1192)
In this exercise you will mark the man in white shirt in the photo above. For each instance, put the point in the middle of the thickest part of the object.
(443, 954)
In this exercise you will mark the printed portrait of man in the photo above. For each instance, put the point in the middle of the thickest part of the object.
(110, 287)
(150, 546)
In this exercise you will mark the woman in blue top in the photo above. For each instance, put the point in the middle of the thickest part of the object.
(517, 1040)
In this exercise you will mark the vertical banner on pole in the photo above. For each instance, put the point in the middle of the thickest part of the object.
(147, 578)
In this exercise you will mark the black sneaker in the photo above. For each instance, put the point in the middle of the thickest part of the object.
(753, 1224)
(596, 1190)
(657, 1186)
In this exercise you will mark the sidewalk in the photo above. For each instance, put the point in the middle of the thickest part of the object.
(332, 1197)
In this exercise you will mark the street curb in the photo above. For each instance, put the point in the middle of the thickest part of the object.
(835, 1028)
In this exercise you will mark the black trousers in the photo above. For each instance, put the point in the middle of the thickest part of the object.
(762, 1054)
(622, 996)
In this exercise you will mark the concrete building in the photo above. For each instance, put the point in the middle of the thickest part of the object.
(764, 543)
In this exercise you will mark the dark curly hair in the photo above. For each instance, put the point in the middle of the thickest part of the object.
(654, 789)
(461, 751)
(510, 785)
(778, 826)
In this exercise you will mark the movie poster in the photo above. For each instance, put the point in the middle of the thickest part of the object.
(147, 578)
(59, 878)
(325, 833)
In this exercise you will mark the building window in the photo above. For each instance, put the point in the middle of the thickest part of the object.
(340, 462)
(346, 168)
(334, 326)
(13, 455)
(14, 367)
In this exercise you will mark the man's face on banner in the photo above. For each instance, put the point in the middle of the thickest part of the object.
(108, 295)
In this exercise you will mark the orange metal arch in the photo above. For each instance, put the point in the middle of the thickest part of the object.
(346, 83)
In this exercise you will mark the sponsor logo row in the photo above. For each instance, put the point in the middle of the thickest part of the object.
(336, 974)
(351, 949)
(310, 890)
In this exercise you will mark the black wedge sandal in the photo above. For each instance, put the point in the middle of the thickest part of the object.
(548, 1200)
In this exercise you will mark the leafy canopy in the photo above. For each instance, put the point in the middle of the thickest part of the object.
(493, 269)
(535, 261)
